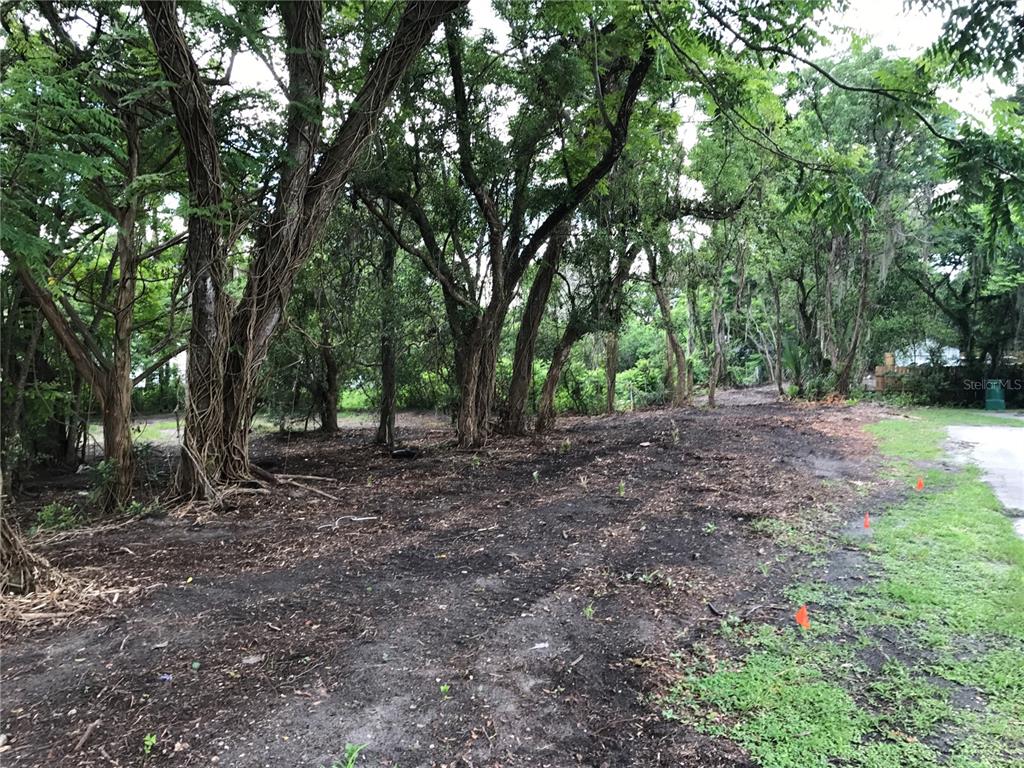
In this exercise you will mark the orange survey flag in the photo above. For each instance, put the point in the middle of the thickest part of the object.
(802, 618)
(920, 483)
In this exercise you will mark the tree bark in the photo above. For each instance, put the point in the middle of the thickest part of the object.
(117, 405)
(386, 427)
(307, 197)
(776, 332)
(475, 329)
(680, 391)
(693, 327)
(611, 369)
(529, 327)
(546, 406)
(476, 369)
(74, 426)
(718, 354)
(24, 369)
(111, 384)
(12, 424)
(205, 256)
(329, 399)
(846, 372)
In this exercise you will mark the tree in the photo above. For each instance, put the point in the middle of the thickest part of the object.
(227, 351)
(501, 190)
(75, 210)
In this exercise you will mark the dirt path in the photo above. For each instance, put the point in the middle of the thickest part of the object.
(515, 607)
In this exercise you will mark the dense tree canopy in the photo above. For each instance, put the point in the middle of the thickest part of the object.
(284, 209)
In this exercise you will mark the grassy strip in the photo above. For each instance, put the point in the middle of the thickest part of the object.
(923, 666)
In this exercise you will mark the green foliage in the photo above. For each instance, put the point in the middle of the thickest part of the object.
(949, 595)
(57, 517)
(836, 209)
(782, 708)
(352, 752)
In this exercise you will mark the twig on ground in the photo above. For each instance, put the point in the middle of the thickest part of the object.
(354, 519)
(85, 736)
(311, 489)
(762, 606)
(715, 611)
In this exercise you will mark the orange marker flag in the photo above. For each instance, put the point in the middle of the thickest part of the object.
(867, 520)
(920, 483)
(801, 617)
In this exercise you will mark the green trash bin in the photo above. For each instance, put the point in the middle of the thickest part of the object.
(994, 400)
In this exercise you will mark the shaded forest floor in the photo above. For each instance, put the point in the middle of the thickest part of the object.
(525, 605)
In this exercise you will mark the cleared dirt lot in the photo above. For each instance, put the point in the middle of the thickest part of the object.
(513, 607)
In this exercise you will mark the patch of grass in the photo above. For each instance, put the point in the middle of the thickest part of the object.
(998, 675)
(779, 706)
(157, 431)
(949, 601)
(951, 559)
(910, 702)
(919, 437)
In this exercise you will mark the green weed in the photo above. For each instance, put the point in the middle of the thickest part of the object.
(352, 752)
(57, 517)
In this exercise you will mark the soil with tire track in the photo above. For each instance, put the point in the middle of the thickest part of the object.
(517, 606)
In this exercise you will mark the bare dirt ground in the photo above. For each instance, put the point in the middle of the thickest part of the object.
(513, 607)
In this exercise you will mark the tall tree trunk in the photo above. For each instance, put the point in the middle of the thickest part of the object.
(529, 327)
(611, 369)
(546, 406)
(111, 383)
(467, 418)
(692, 324)
(13, 419)
(680, 390)
(23, 371)
(117, 404)
(846, 372)
(329, 400)
(718, 355)
(388, 388)
(307, 197)
(776, 332)
(74, 423)
(205, 256)
(476, 362)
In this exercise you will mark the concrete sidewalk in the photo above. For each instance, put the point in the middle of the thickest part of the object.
(999, 452)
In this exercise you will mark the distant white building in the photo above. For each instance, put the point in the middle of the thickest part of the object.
(921, 354)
